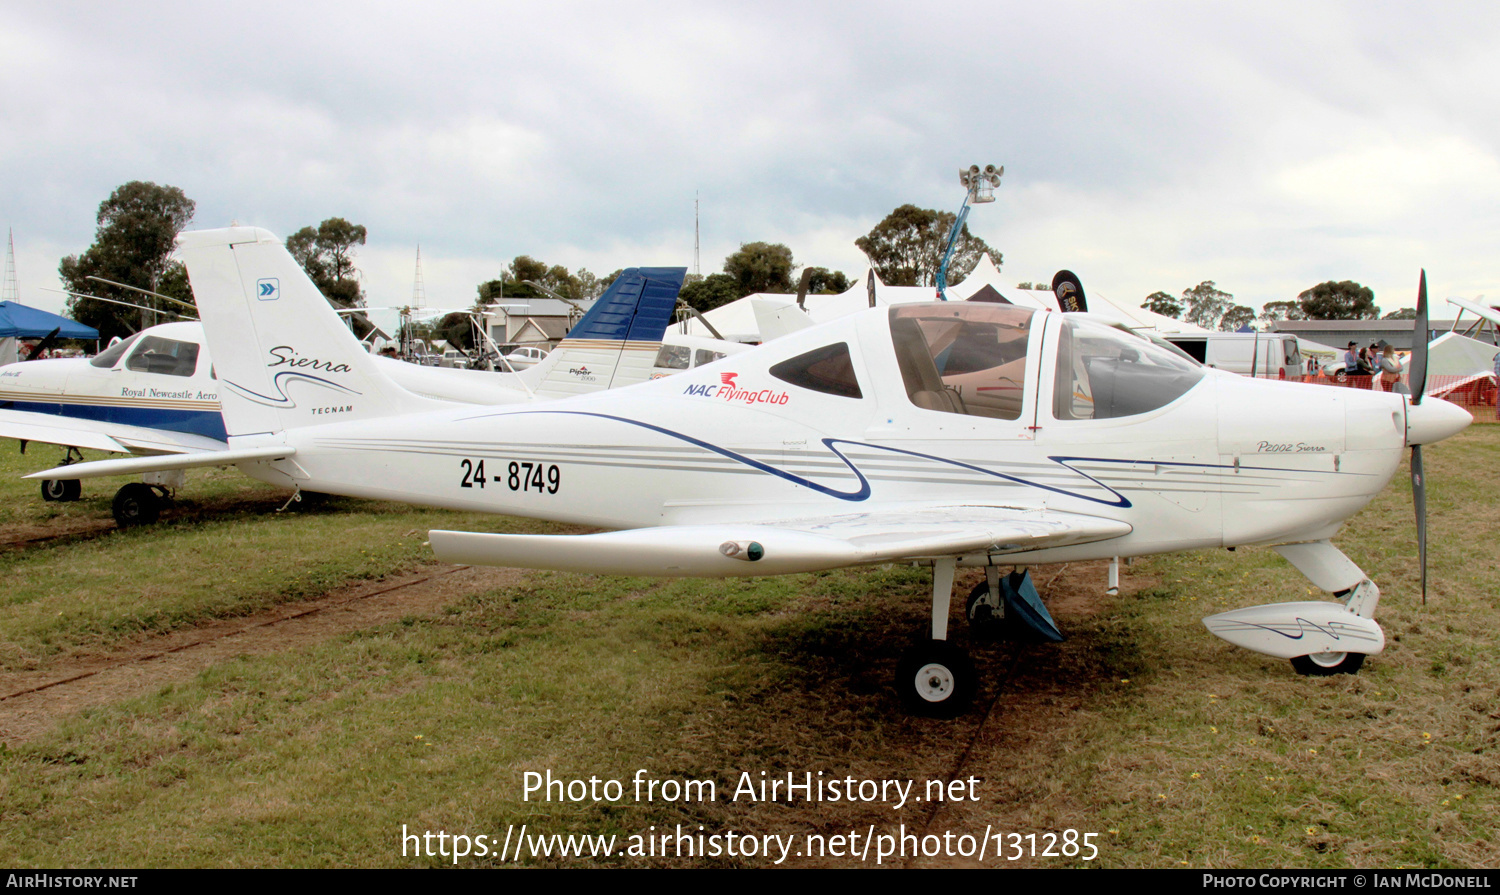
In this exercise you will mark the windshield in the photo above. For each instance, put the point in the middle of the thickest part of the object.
(1104, 373)
(111, 355)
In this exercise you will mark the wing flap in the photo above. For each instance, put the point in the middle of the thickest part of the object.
(798, 545)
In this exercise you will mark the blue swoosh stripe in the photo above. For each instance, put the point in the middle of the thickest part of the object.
(207, 423)
(863, 492)
(284, 400)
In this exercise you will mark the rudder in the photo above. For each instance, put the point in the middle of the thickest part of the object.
(285, 359)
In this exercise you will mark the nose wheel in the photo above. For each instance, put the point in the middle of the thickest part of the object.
(61, 490)
(1326, 664)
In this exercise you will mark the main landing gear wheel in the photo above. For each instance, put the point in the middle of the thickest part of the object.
(61, 490)
(1325, 664)
(985, 612)
(137, 504)
(936, 678)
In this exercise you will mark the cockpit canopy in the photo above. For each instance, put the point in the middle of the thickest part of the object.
(961, 358)
(971, 359)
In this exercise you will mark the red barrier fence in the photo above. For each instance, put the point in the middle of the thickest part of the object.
(1475, 394)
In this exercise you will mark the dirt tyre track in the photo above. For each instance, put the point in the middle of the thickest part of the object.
(34, 702)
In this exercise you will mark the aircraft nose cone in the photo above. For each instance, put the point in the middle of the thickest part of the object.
(1433, 420)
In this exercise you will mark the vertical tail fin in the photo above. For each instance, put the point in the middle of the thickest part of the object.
(283, 356)
(616, 342)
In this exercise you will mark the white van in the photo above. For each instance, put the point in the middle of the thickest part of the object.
(1267, 355)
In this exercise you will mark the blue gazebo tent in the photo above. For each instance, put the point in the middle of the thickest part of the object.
(17, 322)
(20, 322)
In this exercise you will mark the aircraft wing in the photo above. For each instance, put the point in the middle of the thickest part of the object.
(724, 550)
(69, 431)
(136, 465)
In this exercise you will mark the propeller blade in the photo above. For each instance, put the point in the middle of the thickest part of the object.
(1419, 500)
(1417, 378)
(44, 344)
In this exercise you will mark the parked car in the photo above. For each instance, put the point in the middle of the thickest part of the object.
(525, 356)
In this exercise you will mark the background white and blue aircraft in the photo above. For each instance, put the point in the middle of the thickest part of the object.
(156, 392)
(947, 433)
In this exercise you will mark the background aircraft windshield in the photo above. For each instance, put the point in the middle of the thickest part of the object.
(169, 356)
(113, 353)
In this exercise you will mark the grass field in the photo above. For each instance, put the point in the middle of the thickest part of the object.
(1174, 748)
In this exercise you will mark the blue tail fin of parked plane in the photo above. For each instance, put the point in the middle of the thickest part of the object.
(616, 342)
(637, 306)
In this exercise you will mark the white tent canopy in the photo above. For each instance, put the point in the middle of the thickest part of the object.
(738, 320)
(1455, 360)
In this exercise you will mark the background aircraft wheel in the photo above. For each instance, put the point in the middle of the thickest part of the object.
(936, 678)
(1324, 664)
(986, 614)
(136, 504)
(61, 489)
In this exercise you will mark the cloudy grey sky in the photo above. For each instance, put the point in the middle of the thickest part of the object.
(1147, 146)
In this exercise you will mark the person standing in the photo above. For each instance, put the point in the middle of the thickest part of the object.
(1389, 367)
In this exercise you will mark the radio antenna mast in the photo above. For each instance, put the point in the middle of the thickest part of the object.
(418, 293)
(10, 291)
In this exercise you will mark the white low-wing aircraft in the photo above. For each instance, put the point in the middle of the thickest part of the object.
(947, 433)
(156, 392)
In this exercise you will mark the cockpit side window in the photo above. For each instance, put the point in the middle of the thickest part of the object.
(827, 369)
(674, 357)
(167, 356)
(1103, 373)
(111, 355)
(963, 358)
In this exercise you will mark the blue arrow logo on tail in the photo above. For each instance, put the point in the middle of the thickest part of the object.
(268, 289)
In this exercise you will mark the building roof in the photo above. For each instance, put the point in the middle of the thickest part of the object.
(540, 307)
(1340, 333)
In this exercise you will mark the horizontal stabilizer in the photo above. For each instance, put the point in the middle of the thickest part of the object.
(776, 319)
(1288, 630)
(162, 463)
(803, 545)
